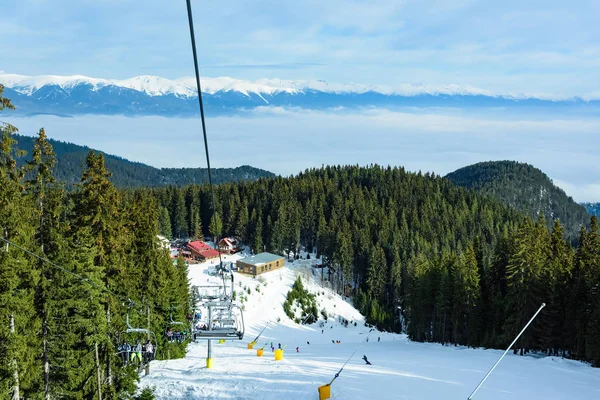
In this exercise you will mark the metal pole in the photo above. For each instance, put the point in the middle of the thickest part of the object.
(209, 355)
(98, 371)
(15, 369)
(506, 351)
(147, 369)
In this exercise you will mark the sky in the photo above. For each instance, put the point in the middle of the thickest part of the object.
(534, 46)
(518, 47)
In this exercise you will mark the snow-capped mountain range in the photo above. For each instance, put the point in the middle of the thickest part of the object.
(153, 95)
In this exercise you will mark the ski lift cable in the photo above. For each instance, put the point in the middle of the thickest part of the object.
(349, 358)
(201, 104)
(66, 271)
(124, 299)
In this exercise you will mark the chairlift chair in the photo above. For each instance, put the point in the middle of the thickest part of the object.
(230, 326)
(129, 329)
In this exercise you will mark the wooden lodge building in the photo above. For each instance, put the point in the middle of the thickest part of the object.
(229, 245)
(259, 264)
(201, 251)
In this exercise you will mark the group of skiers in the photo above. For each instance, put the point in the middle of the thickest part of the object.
(179, 337)
(136, 354)
(273, 347)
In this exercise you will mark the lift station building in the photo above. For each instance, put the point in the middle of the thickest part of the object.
(259, 264)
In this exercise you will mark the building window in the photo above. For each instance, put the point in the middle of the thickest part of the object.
(277, 264)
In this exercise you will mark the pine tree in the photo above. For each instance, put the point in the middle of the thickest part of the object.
(47, 205)
(419, 301)
(343, 255)
(18, 371)
(592, 261)
(164, 223)
(257, 244)
(557, 275)
(376, 274)
(97, 218)
(197, 226)
(178, 213)
(525, 281)
(76, 317)
(241, 226)
(215, 227)
(466, 297)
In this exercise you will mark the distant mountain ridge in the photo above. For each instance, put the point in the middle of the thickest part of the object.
(152, 95)
(524, 188)
(129, 174)
(592, 208)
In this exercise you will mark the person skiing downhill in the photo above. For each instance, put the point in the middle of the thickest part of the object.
(367, 361)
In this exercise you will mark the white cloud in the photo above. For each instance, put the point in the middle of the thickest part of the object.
(287, 141)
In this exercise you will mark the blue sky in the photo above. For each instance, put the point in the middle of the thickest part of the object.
(504, 46)
(534, 47)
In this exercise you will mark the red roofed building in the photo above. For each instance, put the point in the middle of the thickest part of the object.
(201, 251)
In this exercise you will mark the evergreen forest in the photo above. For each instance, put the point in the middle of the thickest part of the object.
(413, 251)
(416, 252)
(525, 188)
(91, 256)
(71, 161)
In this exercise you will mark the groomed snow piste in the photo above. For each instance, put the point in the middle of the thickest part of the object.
(400, 369)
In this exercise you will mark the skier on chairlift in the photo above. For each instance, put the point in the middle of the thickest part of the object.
(124, 350)
(136, 352)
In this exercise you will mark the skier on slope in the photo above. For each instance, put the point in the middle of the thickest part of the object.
(367, 361)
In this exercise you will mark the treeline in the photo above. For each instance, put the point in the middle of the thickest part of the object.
(472, 299)
(450, 265)
(525, 188)
(128, 174)
(60, 320)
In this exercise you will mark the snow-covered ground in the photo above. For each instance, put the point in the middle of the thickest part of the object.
(400, 369)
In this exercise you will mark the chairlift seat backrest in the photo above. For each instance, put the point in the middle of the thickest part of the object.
(137, 330)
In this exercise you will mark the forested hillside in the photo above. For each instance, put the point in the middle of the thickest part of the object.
(592, 208)
(462, 267)
(61, 320)
(70, 162)
(415, 252)
(525, 188)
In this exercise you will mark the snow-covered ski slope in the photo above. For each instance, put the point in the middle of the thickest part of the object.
(400, 369)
